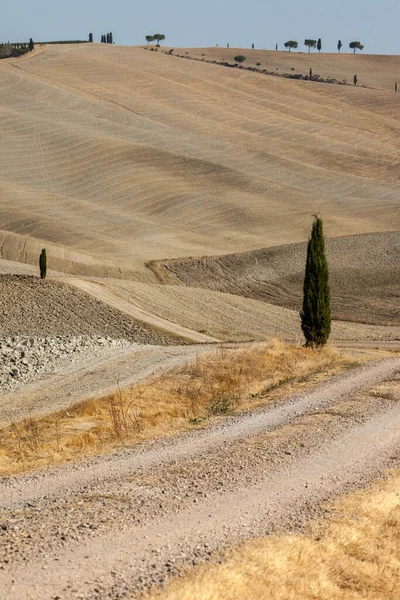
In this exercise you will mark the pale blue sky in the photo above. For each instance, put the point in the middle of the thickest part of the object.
(373, 22)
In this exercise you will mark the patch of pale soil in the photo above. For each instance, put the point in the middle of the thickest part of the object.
(11, 267)
(364, 276)
(92, 377)
(108, 296)
(72, 535)
(231, 317)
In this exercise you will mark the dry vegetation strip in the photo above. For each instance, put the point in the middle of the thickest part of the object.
(354, 554)
(229, 381)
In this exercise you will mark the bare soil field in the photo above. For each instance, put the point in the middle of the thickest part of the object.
(364, 274)
(229, 316)
(127, 164)
(373, 70)
(115, 156)
(32, 307)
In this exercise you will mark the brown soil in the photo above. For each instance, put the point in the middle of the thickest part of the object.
(120, 156)
(364, 274)
(32, 307)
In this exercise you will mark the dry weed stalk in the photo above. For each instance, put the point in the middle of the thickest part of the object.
(226, 381)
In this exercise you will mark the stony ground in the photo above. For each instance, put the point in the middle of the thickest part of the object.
(23, 359)
(110, 527)
(35, 308)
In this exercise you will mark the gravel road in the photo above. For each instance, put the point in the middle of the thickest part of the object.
(109, 527)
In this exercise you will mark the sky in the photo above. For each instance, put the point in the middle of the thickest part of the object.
(374, 23)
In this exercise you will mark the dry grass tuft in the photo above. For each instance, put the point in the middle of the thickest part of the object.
(228, 381)
(354, 554)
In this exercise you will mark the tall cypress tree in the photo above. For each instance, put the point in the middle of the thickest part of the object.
(316, 313)
(43, 264)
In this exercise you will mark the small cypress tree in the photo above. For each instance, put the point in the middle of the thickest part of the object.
(43, 264)
(91, 38)
(319, 45)
(316, 313)
(111, 37)
(355, 79)
(31, 45)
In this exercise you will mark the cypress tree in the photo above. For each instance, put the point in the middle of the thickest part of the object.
(43, 264)
(316, 313)
(31, 44)
(91, 38)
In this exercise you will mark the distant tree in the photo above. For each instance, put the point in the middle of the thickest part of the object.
(108, 38)
(316, 311)
(252, 46)
(310, 44)
(102, 39)
(339, 45)
(239, 58)
(31, 45)
(111, 37)
(291, 44)
(91, 38)
(310, 73)
(319, 44)
(276, 46)
(149, 38)
(227, 45)
(395, 87)
(43, 264)
(355, 79)
(356, 46)
(159, 37)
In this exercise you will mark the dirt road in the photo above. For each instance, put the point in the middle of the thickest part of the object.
(108, 296)
(110, 526)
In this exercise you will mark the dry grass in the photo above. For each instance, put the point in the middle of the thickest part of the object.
(231, 380)
(354, 554)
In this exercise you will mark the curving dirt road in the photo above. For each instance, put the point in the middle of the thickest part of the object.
(108, 296)
(110, 526)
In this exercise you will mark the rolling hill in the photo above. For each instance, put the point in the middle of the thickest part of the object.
(115, 156)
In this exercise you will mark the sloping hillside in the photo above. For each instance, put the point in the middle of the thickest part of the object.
(114, 156)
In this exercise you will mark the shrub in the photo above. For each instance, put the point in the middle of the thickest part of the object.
(239, 58)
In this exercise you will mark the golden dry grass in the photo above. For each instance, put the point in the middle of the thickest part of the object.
(354, 555)
(229, 381)
(115, 156)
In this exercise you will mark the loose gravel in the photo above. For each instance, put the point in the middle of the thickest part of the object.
(113, 526)
(23, 359)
